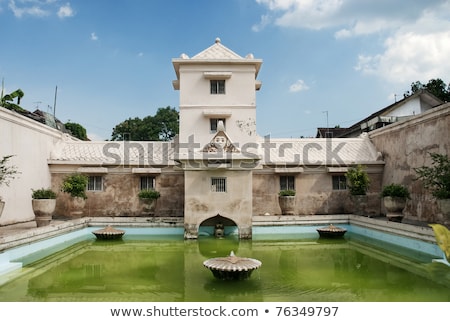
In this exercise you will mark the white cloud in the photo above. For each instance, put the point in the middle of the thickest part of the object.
(35, 9)
(416, 52)
(265, 20)
(415, 34)
(65, 11)
(298, 86)
(94, 36)
(141, 54)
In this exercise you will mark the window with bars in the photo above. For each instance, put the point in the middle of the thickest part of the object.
(339, 182)
(287, 182)
(147, 182)
(95, 183)
(217, 86)
(219, 184)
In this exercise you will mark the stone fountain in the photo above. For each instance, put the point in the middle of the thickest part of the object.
(331, 231)
(108, 233)
(232, 267)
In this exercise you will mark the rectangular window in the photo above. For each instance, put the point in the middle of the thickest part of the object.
(219, 184)
(339, 182)
(147, 182)
(213, 124)
(95, 183)
(217, 86)
(287, 182)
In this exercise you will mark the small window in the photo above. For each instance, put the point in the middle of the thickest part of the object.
(339, 182)
(213, 124)
(287, 182)
(95, 183)
(219, 184)
(217, 86)
(147, 182)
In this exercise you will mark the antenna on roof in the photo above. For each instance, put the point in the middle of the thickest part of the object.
(54, 104)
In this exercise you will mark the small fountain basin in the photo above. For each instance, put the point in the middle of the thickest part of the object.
(232, 267)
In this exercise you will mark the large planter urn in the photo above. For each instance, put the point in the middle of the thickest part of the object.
(444, 207)
(287, 204)
(148, 206)
(43, 211)
(394, 208)
(359, 204)
(77, 207)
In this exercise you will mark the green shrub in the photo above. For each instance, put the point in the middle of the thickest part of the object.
(75, 185)
(436, 178)
(43, 194)
(395, 190)
(358, 180)
(286, 193)
(149, 194)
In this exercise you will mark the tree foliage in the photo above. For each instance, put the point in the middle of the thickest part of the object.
(7, 100)
(163, 126)
(435, 86)
(77, 130)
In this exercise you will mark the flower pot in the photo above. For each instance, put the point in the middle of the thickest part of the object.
(444, 206)
(359, 204)
(394, 208)
(77, 207)
(287, 204)
(43, 211)
(148, 206)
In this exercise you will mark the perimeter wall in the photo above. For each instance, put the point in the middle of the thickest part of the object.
(406, 145)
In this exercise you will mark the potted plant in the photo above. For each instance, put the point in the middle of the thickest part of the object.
(43, 203)
(148, 197)
(75, 185)
(436, 178)
(358, 182)
(394, 201)
(286, 199)
(7, 173)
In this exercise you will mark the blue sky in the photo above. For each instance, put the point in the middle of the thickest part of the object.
(334, 61)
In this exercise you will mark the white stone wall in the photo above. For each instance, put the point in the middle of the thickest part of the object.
(31, 144)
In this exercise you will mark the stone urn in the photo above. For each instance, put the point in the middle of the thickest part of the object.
(77, 207)
(43, 211)
(394, 208)
(148, 206)
(359, 203)
(287, 204)
(444, 207)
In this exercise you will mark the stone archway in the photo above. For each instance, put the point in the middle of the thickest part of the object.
(218, 224)
(191, 229)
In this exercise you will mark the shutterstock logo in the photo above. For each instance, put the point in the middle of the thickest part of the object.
(191, 154)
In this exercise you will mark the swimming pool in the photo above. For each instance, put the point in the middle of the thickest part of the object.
(156, 264)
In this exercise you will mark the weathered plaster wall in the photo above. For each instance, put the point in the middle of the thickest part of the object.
(31, 144)
(120, 194)
(314, 193)
(406, 145)
(202, 203)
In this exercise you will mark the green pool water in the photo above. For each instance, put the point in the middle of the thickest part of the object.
(170, 269)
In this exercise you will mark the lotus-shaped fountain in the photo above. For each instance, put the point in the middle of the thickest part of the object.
(109, 233)
(232, 267)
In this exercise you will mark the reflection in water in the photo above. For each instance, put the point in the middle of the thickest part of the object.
(171, 270)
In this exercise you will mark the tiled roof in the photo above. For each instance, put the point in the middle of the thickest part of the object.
(276, 152)
(217, 51)
(319, 151)
(113, 153)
